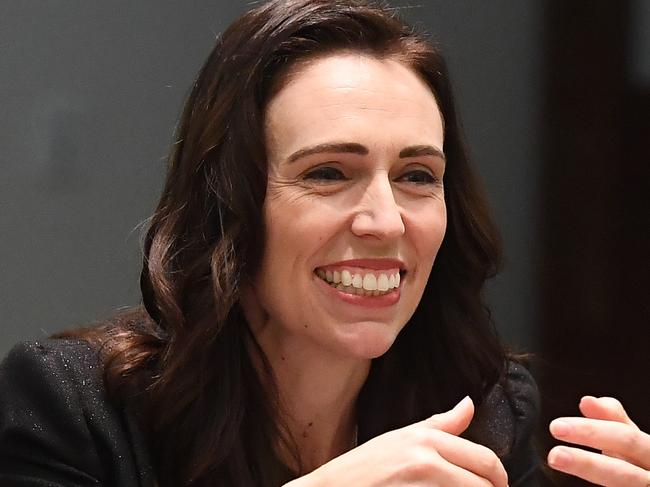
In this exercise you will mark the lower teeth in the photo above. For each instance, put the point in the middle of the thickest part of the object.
(356, 290)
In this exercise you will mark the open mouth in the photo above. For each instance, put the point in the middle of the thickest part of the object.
(369, 283)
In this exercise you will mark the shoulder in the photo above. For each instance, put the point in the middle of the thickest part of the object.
(56, 422)
(506, 421)
(522, 390)
(34, 372)
(65, 374)
(508, 413)
(66, 360)
(522, 394)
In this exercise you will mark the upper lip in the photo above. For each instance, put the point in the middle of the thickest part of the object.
(378, 264)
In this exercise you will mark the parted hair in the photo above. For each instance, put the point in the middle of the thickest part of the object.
(183, 361)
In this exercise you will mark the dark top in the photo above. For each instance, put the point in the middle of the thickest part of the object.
(57, 427)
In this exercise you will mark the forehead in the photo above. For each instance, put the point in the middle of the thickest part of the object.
(352, 97)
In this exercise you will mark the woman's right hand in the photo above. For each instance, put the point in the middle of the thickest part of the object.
(429, 453)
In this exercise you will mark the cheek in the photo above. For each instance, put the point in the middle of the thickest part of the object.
(428, 230)
(294, 233)
(295, 220)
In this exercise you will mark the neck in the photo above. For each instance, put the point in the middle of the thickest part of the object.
(318, 391)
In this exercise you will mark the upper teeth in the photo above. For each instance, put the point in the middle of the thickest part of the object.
(369, 281)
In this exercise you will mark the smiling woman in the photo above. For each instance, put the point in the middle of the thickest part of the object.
(311, 287)
(351, 205)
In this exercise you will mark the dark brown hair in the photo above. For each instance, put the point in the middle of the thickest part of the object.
(184, 363)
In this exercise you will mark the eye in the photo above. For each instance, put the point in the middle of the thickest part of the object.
(325, 173)
(418, 176)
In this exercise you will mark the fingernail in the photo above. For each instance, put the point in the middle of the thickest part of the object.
(560, 428)
(559, 457)
(462, 401)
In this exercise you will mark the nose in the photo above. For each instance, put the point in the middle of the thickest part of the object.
(378, 214)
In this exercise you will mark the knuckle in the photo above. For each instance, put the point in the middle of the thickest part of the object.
(587, 432)
(584, 461)
(423, 437)
(493, 462)
(490, 462)
(613, 403)
(631, 440)
(422, 465)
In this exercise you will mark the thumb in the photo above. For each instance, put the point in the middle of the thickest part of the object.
(454, 421)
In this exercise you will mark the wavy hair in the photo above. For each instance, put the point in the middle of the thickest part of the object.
(182, 359)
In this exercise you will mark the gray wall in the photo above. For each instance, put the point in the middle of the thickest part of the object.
(640, 42)
(90, 93)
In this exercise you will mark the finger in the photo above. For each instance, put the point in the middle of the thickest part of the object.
(607, 408)
(454, 421)
(460, 476)
(596, 468)
(447, 473)
(476, 458)
(620, 439)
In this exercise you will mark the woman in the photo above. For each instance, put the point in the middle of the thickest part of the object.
(311, 288)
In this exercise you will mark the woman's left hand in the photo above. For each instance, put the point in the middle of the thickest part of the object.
(625, 450)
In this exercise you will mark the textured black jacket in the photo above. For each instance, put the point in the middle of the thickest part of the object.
(57, 427)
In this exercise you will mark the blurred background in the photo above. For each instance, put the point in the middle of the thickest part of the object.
(555, 99)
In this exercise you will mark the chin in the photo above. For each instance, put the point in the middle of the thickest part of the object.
(369, 344)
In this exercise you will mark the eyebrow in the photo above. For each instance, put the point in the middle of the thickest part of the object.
(421, 150)
(355, 148)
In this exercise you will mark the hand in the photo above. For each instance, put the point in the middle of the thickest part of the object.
(428, 453)
(625, 457)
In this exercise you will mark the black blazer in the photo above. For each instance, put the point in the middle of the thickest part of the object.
(57, 427)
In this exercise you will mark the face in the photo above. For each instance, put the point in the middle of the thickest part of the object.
(355, 209)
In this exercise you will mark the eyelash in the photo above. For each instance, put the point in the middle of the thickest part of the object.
(424, 177)
(330, 174)
(324, 174)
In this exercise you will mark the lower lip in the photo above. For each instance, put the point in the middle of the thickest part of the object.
(382, 301)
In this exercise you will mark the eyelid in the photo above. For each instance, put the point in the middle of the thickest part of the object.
(430, 179)
(420, 167)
